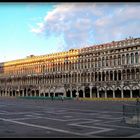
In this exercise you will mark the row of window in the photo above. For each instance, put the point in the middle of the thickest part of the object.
(97, 77)
(132, 58)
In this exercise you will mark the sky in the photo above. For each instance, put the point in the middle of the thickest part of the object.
(45, 28)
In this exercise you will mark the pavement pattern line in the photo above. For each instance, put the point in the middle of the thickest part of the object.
(45, 127)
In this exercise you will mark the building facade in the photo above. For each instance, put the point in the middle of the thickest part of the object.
(110, 70)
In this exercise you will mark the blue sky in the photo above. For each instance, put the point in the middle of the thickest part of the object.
(43, 28)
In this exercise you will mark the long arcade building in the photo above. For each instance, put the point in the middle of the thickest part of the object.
(110, 70)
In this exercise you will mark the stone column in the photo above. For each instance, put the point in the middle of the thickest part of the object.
(117, 75)
(90, 91)
(101, 76)
(122, 93)
(113, 93)
(48, 94)
(22, 93)
(71, 93)
(77, 78)
(83, 92)
(98, 93)
(105, 77)
(105, 93)
(91, 77)
(131, 94)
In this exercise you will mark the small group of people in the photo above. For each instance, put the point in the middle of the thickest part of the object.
(62, 97)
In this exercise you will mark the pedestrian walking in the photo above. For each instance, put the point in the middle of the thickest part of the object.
(62, 98)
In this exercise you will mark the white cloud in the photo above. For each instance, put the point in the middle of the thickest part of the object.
(83, 24)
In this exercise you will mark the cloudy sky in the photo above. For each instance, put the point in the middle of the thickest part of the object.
(43, 28)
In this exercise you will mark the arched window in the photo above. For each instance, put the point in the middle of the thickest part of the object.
(132, 58)
(123, 59)
(127, 59)
(95, 62)
(99, 62)
(110, 60)
(136, 58)
(114, 60)
(119, 60)
(107, 61)
(103, 62)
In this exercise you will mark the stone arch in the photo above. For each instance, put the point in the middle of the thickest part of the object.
(42, 94)
(74, 92)
(136, 91)
(46, 92)
(126, 91)
(32, 92)
(109, 91)
(102, 92)
(87, 91)
(109, 88)
(94, 92)
(118, 92)
(126, 88)
(68, 92)
(59, 91)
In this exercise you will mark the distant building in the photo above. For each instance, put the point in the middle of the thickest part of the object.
(110, 70)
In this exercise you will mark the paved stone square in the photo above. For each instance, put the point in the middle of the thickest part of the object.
(66, 119)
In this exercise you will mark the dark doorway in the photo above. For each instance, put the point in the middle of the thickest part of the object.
(81, 93)
(20, 92)
(74, 93)
(109, 93)
(94, 92)
(126, 93)
(68, 93)
(33, 93)
(14, 93)
(37, 92)
(51, 94)
(135, 93)
(102, 94)
(46, 94)
(25, 93)
(87, 92)
(117, 93)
